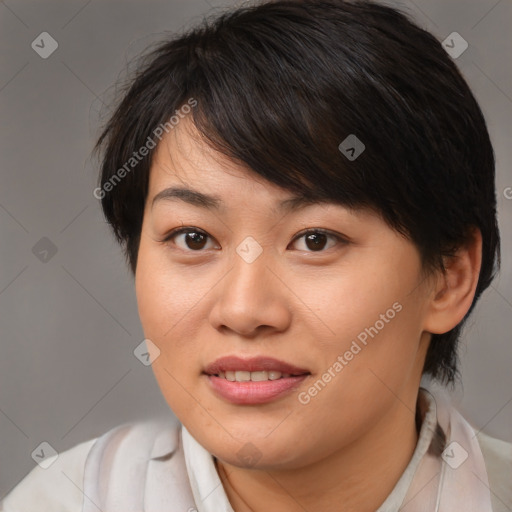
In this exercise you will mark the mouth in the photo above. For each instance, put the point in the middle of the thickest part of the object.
(259, 376)
(253, 381)
(255, 369)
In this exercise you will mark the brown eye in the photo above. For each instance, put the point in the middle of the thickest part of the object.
(189, 238)
(316, 240)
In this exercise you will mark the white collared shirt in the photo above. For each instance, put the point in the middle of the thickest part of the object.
(60, 487)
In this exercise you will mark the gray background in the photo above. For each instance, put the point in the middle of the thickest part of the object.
(69, 326)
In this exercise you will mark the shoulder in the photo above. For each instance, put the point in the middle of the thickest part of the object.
(498, 461)
(58, 487)
(61, 485)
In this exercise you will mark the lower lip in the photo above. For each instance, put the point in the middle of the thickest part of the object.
(250, 392)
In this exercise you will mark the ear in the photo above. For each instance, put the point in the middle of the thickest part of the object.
(454, 289)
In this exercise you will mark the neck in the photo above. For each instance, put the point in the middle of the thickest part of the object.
(358, 477)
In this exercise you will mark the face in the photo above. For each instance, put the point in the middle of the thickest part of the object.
(334, 293)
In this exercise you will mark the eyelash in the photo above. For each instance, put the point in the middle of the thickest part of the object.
(191, 229)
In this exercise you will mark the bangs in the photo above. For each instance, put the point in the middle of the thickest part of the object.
(279, 95)
(286, 88)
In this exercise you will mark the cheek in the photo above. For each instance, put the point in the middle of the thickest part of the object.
(160, 309)
(352, 302)
(374, 318)
(165, 295)
(366, 366)
(165, 304)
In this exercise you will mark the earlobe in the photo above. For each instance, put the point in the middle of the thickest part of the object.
(454, 288)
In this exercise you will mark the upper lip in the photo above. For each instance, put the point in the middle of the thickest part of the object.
(254, 364)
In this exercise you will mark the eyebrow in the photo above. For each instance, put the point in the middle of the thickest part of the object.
(214, 202)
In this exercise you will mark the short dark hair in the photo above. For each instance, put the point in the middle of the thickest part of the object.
(279, 85)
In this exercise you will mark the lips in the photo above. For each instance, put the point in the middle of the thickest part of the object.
(255, 364)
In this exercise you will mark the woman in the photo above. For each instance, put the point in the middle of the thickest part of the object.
(305, 194)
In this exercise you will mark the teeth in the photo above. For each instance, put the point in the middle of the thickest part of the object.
(243, 376)
(258, 376)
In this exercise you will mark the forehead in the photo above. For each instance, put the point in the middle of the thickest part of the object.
(187, 170)
(183, 152)
(185, 167)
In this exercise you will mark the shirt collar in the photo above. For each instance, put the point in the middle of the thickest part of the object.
(166, 442)
(427, 441)
(210, 496)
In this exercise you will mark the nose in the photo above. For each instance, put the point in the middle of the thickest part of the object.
(251, 298)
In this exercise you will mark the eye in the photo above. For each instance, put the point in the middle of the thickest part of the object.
(315, 240)
(191, 238)
(194, 239)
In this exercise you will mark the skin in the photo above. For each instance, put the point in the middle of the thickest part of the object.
(345, 449)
